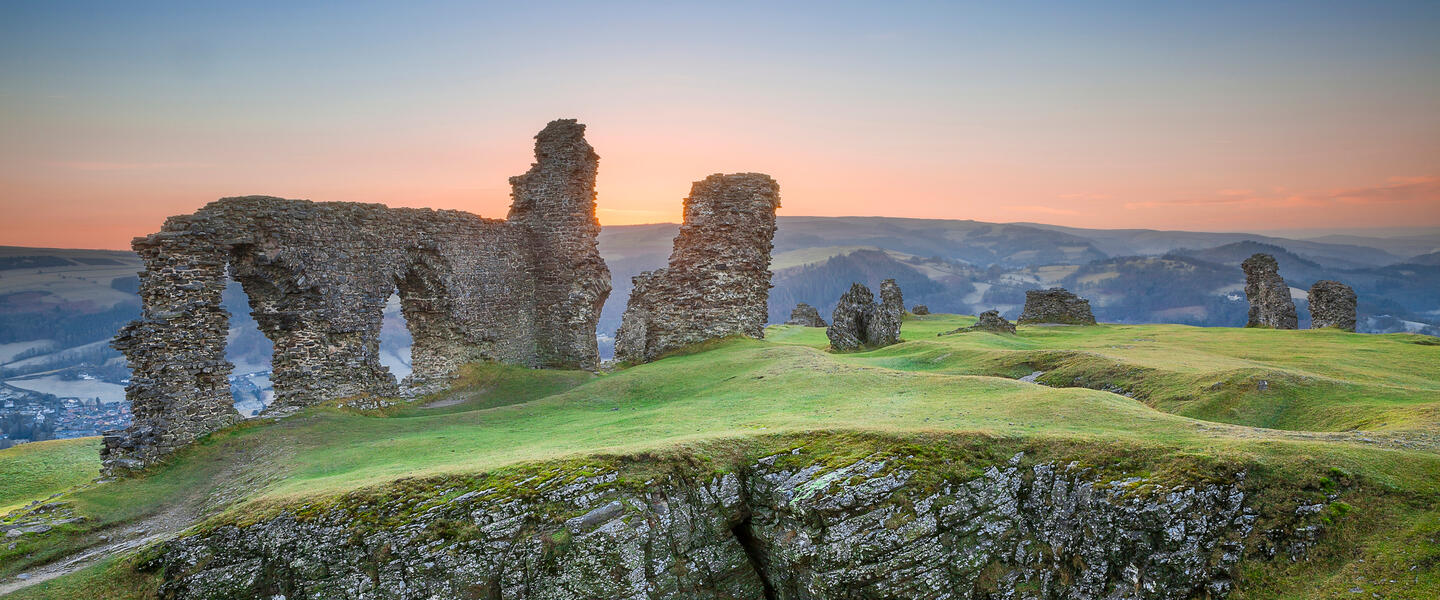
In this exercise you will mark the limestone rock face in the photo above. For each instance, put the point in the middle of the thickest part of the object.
(990, 321)
(788, 526)
(1269, 297)
(859, 322)
(1056, 305)
(805, 316)
(527, 291)
(718, 279)
(920, 309)
(1332, 304)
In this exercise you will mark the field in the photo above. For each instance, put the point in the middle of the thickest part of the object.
(1367, 406)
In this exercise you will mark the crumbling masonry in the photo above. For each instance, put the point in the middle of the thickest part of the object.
(718, 279)
(1332, 304)
(1269, 296)
(859, 322)
(527, 290)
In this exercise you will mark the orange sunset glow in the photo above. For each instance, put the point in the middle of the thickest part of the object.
(1233, 123)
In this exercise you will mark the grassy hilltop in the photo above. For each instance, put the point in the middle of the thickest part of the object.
(1310, 414)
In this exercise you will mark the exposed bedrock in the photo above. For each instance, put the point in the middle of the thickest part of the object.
(525, 291)
(1332, 304)
(860, 322)
(717, 283)
(1055, 306)
(805, 316)
(786, 527)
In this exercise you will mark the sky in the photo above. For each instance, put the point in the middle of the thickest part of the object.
(1211, 116)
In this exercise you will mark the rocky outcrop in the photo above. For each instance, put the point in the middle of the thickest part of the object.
(1332, 304)
(920, 310)
(526, 291)
(859, 322)
(989, 321)
(1269, 297)
(717, 283)
(805, 315)
(1056, 306)
(788, 526)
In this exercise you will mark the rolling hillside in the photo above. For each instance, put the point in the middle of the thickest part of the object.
(1344, 422)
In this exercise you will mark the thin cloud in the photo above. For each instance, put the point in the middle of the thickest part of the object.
(1398, 190)
(1423, 190)
(1049, 210)
(124, 166)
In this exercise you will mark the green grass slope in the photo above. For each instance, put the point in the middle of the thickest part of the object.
(740, 395)
(35, 471)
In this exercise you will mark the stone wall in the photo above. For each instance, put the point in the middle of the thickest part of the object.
(525, 291)
(1269, 297)
(1332, 304)
(1057, 306)
(718, 280)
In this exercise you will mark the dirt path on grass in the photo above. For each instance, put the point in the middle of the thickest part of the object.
(248, 472)
(127, 538)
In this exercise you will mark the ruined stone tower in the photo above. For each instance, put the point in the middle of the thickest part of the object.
(554, 202)
(1332, 304)
(1270, 302)
(525, 291)
(718, 279)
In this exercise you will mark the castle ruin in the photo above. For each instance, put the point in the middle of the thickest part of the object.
(717, 282)
(526, 290)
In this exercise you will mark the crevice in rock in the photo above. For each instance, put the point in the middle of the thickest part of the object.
(755, 553)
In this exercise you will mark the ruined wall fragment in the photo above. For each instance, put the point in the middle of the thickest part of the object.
(1056, 306)
(1332, 304)
(859, 322)
(990, 321)
(717, 282)
(1269, 296)
(883, 326)
(805, 315)
(554, 202)
(524, 291)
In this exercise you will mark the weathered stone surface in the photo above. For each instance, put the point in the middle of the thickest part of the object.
(1269, 297)
(859, 322)
(920, 309)
(883, 326)
(789, 526)
(1332, 304)
(990, 321)
(805, 316)
(525, 291)
(718, 279)
(1056, 305)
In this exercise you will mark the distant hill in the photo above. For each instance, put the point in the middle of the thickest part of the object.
(1431, 259)
(61, 303)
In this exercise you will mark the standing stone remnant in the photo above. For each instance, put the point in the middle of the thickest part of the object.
(1056, 305)
(920, 309)
(805, 315)
(1270, 303)
(859, 322)
(1332, 304)
(718, 279)
(990, 321)
(527, 291)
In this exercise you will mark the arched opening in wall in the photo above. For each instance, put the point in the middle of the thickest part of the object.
(395, 339)
(250, 351)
